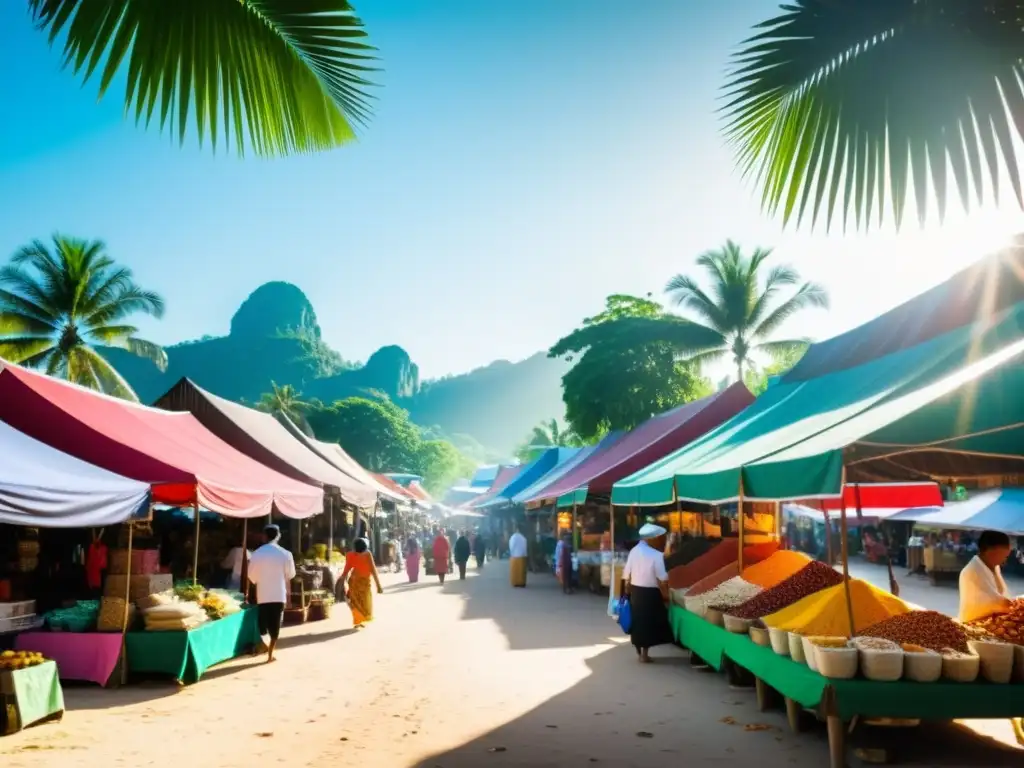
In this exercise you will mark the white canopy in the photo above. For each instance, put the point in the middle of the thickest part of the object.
(42, 487)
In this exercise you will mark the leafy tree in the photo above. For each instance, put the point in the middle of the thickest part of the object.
(621, 376)
(738, 310)
(835, 105)
(440, 464)
(281, 76)
(546, 435)
(757, 379)
(58, 305)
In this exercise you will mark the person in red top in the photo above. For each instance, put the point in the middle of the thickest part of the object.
(95, 564)
(440, 550)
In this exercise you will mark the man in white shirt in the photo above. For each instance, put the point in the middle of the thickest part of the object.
(645, 578)
(982, 589)
(517, 553)
(271, 569)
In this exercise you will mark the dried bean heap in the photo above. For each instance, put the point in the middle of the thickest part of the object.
(812, 578)
(1008, 626)
(929, 629)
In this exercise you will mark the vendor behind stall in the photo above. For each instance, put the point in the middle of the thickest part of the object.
(982, 589)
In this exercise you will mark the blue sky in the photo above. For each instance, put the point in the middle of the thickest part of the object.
(524, 161)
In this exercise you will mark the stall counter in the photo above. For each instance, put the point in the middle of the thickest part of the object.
(186, 655)
(29, 696)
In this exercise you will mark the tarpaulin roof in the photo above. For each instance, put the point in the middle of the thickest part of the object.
(42, 487)
(535, 493)
(484, 476)
(892, 496)
(530, 474)
(996, 510)
(567, 462)
(183, 461)
(400, 493)
(337, 456)
(946, 407)
(418, 492)
(648, 442)
(505, 476)
(262, 437)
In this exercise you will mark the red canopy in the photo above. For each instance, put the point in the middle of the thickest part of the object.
(183, 461)
(892, 496)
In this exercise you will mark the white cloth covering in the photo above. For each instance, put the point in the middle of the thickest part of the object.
(271, 568)
(645, 566)
(982, 590)
(517, 545)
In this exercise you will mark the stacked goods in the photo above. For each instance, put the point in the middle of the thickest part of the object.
(142, 585)
(927, 629)
(825, 612)
(182, 615)
(142, 562)
(12, 660)
(812, 578)
(726, 595)
(111, 617)
(158, 598)
(1008, 626)
(81, 617)
(775, 569)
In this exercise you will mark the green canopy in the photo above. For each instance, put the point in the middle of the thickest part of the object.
(946, 407)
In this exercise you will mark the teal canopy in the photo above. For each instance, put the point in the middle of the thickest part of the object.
(947, 407)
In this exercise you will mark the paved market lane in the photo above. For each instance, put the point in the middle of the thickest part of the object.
(471, 674)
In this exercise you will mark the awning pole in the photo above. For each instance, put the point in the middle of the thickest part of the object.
(739, 517)
(243, 581)
(127, 603)
(195, 549)
(843, 541)
(575, 538)
(330, 528)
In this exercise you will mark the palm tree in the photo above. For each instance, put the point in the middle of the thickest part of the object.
(845, 102)
(57, 305)
(285, 401)
(547, 434)
(738, 312)
(277, 76)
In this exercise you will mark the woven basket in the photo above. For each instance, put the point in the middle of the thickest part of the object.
(882, 666)
(111, 616)
(808, 648)
(922, 667)
(779, 639)
(961, 669)
(796, 647)
(737, 625)
(996, 660)
(837, 663)
(715, 617)
(760, 637)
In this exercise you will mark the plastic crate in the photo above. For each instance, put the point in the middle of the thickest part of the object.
(19, 623)
(23, 608)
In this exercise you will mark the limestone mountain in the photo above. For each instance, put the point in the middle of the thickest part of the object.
(274, 336)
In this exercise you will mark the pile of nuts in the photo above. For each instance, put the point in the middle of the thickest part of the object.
(1005, 626)
(875, 644)
(929, 629)
(812, 578)
(731, 593)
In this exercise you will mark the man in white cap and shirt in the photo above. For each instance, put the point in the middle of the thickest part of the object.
(271, 570)
(646, 580)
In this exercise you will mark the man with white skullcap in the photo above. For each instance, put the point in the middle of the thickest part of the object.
(646, 580)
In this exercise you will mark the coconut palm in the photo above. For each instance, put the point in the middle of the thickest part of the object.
(547, 434)
(739, 309)
(284, 400)
(276, 76)
(848, 105)
(59, 303)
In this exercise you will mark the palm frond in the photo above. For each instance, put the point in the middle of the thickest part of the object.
(783, 348)
(22, 349)
(27, 286)
(148, 350)
(106, 376)
(279, 76)
(835, 104)
(686, 292)
(809, 295)
(778, 277)
(21, 323)
(14, 302)
(706, 358)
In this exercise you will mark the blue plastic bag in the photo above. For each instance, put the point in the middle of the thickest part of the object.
(625, 614)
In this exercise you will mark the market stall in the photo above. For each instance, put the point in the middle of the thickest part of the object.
(30, 692)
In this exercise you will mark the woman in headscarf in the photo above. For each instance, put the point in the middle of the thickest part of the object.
(441, 550)
(412, 560)
(647, 585)
(359, 569)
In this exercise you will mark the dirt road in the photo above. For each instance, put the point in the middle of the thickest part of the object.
(470, 674)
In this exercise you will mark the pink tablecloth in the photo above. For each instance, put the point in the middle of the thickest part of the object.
(89, 656)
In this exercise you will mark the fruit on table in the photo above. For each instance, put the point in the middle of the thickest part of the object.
(20, 659)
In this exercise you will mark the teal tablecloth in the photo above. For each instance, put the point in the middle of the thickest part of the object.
(186, 656)
(904, 699)
(31, 695)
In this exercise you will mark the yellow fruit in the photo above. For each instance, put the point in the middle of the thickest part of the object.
(7, 655)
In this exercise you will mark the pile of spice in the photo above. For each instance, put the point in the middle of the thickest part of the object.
(730, 593)
(720, 576)
(928, 629)
(691, 563)
(715, 560)
(1008, 626)
(688, 551)
(825, 612)
(812, 578)
(775, 569)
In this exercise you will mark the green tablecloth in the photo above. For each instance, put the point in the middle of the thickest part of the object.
(35, 694)
(904, 699)
(186, 656)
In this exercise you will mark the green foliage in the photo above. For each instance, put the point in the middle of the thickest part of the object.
(548, 434)
(278, 76)
(737, 311)
(286, 401)
(757, 379)
(379, 435)
(57, 305)
(835, 106)
(621, 377)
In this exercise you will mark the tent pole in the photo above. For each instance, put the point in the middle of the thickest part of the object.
(244, 578)
(843, 541)
(741, 522)
(828, 536)
(330, 528)
(195, 549)
(575, 542)
(127, 603)
(778, 521)
(611, 550)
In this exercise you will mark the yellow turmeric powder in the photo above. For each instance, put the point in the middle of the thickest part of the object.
(824, 613)
(776, 569)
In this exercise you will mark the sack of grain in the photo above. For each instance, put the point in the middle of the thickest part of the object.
(159, 598)
(837, 663)
(141, 585)
(111, 616)
(178, 610)
(960, 667)
(995, 659)
(920, 664)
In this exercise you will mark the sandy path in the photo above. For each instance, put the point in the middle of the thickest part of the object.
(471, 674)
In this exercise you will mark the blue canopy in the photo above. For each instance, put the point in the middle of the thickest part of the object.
(996, 510)
(530, 474)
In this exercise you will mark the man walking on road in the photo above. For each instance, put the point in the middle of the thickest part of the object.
(271, 569)
(462, 554)
(517, 553)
